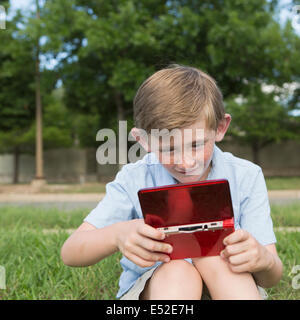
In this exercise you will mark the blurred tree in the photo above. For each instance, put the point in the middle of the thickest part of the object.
(259, 120)
(39, 161)
(100, 71)
(294, 101)
(111, 47)
(105, 49)
(17, 95)
(17, 91)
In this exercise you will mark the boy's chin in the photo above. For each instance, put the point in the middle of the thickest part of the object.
(187, 178)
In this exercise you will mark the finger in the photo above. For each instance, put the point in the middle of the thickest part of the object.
(151, 232)
(150, 256)
(233, 249)
(237, 236)
(240, 268)
(154, 246)
(139, 261)
(239, 259)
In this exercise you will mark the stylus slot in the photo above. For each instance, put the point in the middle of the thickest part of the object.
(190, 228)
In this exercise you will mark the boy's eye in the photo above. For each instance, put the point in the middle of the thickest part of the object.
(197, 145)
(194, 146)
(167, 151)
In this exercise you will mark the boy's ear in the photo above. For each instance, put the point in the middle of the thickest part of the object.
(222, 127)
(141, 137)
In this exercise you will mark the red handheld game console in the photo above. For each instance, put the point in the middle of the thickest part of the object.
(195, 217)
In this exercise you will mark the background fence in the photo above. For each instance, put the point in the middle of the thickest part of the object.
(80, 165)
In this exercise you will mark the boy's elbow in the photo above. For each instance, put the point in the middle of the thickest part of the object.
(65, 257)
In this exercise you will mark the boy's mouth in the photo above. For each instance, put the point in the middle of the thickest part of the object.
(193, 171)
(188, 173)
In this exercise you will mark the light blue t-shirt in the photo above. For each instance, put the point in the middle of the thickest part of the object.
(247, 186)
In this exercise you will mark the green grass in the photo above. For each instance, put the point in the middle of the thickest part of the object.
(283, 183)
(273, 183)
(40, 218)
(286, 215)
(288, 248)
(32, 217)
(34, 269)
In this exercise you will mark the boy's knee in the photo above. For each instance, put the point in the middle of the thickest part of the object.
(177, 279)
(210, 266)
(179, 271)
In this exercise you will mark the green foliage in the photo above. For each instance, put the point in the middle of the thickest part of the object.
(16, 80)
(114, 46)
(106, 49)
(259, 120)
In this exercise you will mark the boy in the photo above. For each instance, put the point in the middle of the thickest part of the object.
(183, 98)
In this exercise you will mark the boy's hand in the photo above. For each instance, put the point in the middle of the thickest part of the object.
(245, 254)
(142, 243)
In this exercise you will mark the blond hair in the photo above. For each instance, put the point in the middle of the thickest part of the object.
(177, 97)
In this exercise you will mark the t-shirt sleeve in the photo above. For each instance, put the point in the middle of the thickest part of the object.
(255, 211)
(116, 206)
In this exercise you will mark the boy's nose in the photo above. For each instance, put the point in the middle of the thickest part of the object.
(186, 164)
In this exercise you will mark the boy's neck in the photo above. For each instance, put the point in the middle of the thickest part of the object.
(206, 172)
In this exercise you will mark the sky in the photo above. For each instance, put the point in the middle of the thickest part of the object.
(21, 4)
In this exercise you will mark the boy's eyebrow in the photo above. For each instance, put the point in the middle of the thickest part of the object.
(172, 147)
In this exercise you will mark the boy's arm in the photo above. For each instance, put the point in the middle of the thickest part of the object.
(138, 241)
(269, 277)
(88, 245)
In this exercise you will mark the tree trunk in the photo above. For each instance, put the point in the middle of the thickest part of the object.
(16, 165)
(39, 136)
(121, 117)
(255, 153)
(120, 106)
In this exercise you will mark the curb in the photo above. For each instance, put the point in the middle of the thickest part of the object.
(51, 197)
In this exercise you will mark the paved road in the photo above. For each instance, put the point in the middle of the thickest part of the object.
(89, 201)
(284, 196)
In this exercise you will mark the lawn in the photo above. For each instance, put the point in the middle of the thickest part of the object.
(34, 269)
(283, 183)
(273, 183)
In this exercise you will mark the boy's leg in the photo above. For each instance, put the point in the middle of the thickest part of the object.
(224, 284)
(175, 280)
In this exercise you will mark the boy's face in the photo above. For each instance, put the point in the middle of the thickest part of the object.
(187, 156)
